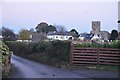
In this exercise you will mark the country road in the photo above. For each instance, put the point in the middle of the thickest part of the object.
(23, 68)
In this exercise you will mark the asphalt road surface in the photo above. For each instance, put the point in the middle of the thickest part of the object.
(23, 68)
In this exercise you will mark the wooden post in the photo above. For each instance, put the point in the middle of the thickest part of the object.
(71, 53)
(98, 56)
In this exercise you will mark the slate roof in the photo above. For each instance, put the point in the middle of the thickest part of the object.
(86, 35)
(59, 33)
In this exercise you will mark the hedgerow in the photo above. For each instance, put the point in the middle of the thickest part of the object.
(50, 52)
(4, 54)
(115, 44)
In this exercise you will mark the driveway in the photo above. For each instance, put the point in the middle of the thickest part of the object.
(23, 68)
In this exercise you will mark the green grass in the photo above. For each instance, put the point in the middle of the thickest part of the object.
(103, 67)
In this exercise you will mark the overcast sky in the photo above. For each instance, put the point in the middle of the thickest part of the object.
(78, 15)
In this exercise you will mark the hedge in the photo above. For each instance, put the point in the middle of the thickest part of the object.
(105, 45)
(5, 54)
(50, 52)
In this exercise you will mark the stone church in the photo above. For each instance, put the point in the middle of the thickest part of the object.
(96, 31)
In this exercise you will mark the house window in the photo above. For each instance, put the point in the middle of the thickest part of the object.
(66, 37)
(56, 36)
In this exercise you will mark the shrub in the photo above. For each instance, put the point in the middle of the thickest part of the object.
(89, 45)
(52, 52)
(61, 50)
(20, 47)
(106, 45)
(5, 54)
(115, 44)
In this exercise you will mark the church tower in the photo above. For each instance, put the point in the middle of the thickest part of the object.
(96, 27)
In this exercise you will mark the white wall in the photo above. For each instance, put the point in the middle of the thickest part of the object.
(81, 38)
(58, 37)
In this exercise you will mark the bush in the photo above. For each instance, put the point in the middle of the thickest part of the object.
(4, 51)
(89, 45)
(20, 47)
(60, 50)
(115, 44)
(41, 46)
(106, 45)
(5, 54)
(51, 52)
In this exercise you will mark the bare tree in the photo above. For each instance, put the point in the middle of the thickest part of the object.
(60, 28)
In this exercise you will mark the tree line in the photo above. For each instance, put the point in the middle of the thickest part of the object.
(42, 28)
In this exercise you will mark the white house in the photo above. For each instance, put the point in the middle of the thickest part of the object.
(59, 36)
(81, 38)
(95, 37)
